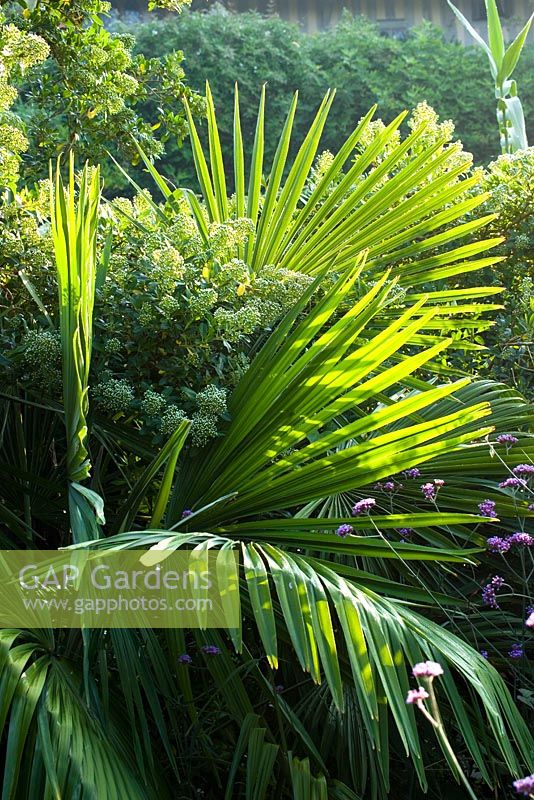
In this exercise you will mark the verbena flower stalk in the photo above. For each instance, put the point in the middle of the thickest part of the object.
(426, 672)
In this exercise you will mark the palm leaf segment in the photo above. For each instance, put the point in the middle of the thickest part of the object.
(335, 224)
(404, 201)
(415, 192)
(55, 745)
(315, 369)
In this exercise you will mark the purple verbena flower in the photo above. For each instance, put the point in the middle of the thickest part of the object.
(522, 539)
(484, 654)
(507, 439)
(489, 597)
(406, 533)
(513, 483)
(412, 473)
(185, 658)
(427, 669)
(525, 785)
(516, 651)
(524, 469)
(428, 490)
(416, 696)
(363, 506)
(186, 513)
(211, 649)
(496, 544)
(487, 508)
(530, 507)
(344, 530)
(390, 486)
(529, 622)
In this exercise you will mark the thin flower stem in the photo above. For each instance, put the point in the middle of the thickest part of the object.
(442, 736)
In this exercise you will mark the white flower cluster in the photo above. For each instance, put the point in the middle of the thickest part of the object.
(203, 428)
(153, 403)
(212, 400)
(170, 420)
(42, 349)
(113, 396)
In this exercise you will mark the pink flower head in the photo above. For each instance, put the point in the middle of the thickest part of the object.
(507, 439)
(428, 490)
(416, 696)
(363, 506)
(513, 483)
(427, 669)
(525, 785)
(529, 622)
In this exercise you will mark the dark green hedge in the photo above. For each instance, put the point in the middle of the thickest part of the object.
(364, 66)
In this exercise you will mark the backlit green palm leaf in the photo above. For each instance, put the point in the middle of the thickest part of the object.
(334, 226)
(287, 445)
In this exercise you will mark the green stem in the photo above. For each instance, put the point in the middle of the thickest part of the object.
(442, 736)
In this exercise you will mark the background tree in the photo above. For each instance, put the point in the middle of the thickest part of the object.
(89, 93)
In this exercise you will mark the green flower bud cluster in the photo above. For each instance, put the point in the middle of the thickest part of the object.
(168, 268)
(8, 94)
(184, 233)
(119, 265)
(171, 306)
(168, 5)
(143, 206)
(212, 400)
(235, 324)
(19, 51)
(203, 428)
(12, 139)
(238, 364)
(21, 239)
(123, 208)
(526, 294)
(42, 350)
(146, 314)
(269, 312)
(41, 360)
(113, 396)
(226, 236)
(201, 302)
(233, 272)
(113, 346)
(153, 403)
(170, 420)
(282, 286)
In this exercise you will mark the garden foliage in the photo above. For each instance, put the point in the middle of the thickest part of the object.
(363, 66)
(270, 358)
(88, 92)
